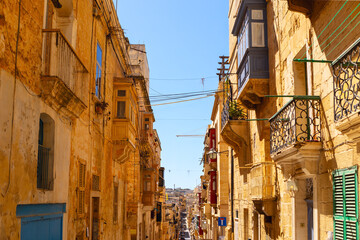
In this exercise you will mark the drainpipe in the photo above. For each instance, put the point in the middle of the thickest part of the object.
(232, 192)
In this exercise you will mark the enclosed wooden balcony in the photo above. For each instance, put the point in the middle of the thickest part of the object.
(250, 28)
(234, 127)
(64, 78)
(295, 133)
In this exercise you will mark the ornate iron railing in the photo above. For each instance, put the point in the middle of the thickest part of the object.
(346, 75)
(232, 111)
(60, 60)
(298, 121)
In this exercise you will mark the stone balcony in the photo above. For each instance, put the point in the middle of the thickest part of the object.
(234, 129)
(295, 134)
(263, 187)
(64, 78)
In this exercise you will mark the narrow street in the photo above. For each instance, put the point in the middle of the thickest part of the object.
(179, 120)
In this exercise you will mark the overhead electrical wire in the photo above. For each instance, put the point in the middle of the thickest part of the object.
(343, 30)
(344, 37)
(153, 105)
(339, 27)
(181, 79)
(327, 25)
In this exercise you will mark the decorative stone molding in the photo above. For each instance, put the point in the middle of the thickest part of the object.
(252, 92)
(60, 97)
(233, 134)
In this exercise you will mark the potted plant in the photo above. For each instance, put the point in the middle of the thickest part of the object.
(100, 107)
(236, 112)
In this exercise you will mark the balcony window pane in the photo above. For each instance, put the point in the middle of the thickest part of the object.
(120, 113)
(257, 34)
(257, 15)
(121, 93)
(98, 71)
(243, 42)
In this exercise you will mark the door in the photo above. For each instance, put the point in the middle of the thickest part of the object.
(42, 228)
(95, 225)
(310, 222)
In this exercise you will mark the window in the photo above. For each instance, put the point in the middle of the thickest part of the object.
(345, 200)
(45, 161)
(257, 34)
(95, 183)
(115, 204)
(121, 93)
(98, 71)
(147, 186)
(120, 112)
(243, 40)
(81, 187)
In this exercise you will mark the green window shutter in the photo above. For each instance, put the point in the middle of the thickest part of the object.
(345, 199)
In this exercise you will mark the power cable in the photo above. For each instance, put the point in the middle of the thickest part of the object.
(344, 37)
(339, 27)
(181, 79)
(327, 25)
(160, 104)
(342, 29)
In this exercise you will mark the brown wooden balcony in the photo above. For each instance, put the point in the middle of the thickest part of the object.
(64, 77)
(234, 127)
(295, 133)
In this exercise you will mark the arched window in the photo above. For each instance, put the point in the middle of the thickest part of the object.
(45, 164)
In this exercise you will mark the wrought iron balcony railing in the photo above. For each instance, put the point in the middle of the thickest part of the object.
(61, 61)
(347, 84)
(298, 121)
(231, 111)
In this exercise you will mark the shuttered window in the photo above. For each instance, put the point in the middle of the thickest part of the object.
(345, 199)
(81, 192)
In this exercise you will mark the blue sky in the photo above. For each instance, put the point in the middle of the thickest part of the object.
(184, 40)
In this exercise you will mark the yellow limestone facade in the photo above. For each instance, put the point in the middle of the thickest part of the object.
(293, 150)
(72, 152)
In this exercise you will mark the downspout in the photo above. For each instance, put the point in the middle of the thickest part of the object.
(232, 193)
(106, 43)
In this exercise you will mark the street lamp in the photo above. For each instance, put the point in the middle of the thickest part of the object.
(212, 154)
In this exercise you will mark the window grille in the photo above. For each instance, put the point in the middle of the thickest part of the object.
(95, 183)
(121, 93)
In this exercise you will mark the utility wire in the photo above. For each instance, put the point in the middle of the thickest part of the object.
(344, 38)
(153, 105)
(342, 29)
(181, 79)
(327, 25)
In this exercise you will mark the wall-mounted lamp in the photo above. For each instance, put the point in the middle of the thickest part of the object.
(292, 187)
(212, 153)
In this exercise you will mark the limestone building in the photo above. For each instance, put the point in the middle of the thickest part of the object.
(289, 117)
(79, 158)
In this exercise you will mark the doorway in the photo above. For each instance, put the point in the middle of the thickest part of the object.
(95, 223)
